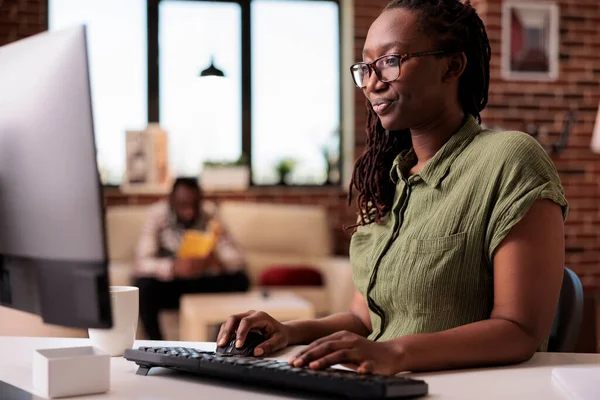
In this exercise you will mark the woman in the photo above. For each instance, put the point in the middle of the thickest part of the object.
(458, 252)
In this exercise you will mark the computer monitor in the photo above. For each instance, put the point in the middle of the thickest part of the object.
(53, 258)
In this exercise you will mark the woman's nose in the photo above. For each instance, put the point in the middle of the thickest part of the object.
(374, 84)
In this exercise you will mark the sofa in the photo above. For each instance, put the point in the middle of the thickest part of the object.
(270, 235)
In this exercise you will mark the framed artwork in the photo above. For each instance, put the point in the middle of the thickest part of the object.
(146, 165)
(138, 157)
(530, 41)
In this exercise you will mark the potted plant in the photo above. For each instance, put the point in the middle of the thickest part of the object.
(225, 175)
(284, 168)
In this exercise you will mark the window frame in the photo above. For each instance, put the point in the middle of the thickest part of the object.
(153, 89)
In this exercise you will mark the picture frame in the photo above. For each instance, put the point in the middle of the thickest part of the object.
(146, 164)
(530, 41)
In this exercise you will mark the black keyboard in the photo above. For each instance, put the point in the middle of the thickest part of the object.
(275, 374)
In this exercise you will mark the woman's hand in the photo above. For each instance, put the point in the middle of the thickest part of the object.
(278, 335)
(353, 351)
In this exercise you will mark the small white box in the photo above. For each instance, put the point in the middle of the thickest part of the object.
(71, 371)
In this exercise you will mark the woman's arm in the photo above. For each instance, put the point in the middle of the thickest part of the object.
(281, 335)
(528, 270)
(357, 321)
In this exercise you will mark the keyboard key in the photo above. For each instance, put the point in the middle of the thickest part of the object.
(241, 361)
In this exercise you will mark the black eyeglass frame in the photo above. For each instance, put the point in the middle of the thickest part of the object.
(401, 58)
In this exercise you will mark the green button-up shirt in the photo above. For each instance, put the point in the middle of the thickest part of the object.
(429, 266)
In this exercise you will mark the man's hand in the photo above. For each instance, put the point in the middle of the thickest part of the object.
(353, 351)
(190, 267)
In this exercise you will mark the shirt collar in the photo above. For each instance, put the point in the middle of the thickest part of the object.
(174, 224)
(436, 169)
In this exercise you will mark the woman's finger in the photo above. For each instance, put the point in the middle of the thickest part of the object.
(347, 356)
(229, 327)
(320, 351)
(333, 337)
(257, 320)
(365, 368)
(273, 344)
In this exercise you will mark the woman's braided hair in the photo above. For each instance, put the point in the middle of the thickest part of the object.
(458, 27)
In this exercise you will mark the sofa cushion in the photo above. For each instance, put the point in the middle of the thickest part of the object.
(283, 229)
(287, 275)
(123, 227)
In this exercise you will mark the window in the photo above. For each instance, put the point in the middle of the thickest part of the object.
(279, 99)
(203, 116)
(118, 71)
(295, 88)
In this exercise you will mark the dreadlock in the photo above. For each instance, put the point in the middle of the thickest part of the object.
(459, 28)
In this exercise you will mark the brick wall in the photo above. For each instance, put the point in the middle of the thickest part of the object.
(516, 104)
(21, 18)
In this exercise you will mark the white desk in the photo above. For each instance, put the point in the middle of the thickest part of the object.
(531, 380)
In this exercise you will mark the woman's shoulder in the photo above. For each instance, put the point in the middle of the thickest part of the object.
(508, 141)
(505, 150)
(518, 164)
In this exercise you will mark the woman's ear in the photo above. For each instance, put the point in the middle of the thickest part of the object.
(456, 66)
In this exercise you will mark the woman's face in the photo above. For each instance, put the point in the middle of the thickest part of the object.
(420, 91)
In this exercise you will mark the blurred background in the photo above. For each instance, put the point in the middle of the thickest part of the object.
(262, 87)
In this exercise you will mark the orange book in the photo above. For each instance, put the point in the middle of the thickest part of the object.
(197, 244)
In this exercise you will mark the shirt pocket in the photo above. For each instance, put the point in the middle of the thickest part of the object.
(438, 245)
(431, 273)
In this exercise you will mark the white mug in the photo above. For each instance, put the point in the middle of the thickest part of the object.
(125, 312)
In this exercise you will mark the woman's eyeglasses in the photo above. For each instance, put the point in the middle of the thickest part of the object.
(387, 68)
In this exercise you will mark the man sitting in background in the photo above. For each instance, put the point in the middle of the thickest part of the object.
(161, 276)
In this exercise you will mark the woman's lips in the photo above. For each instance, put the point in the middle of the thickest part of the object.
(382, 106)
